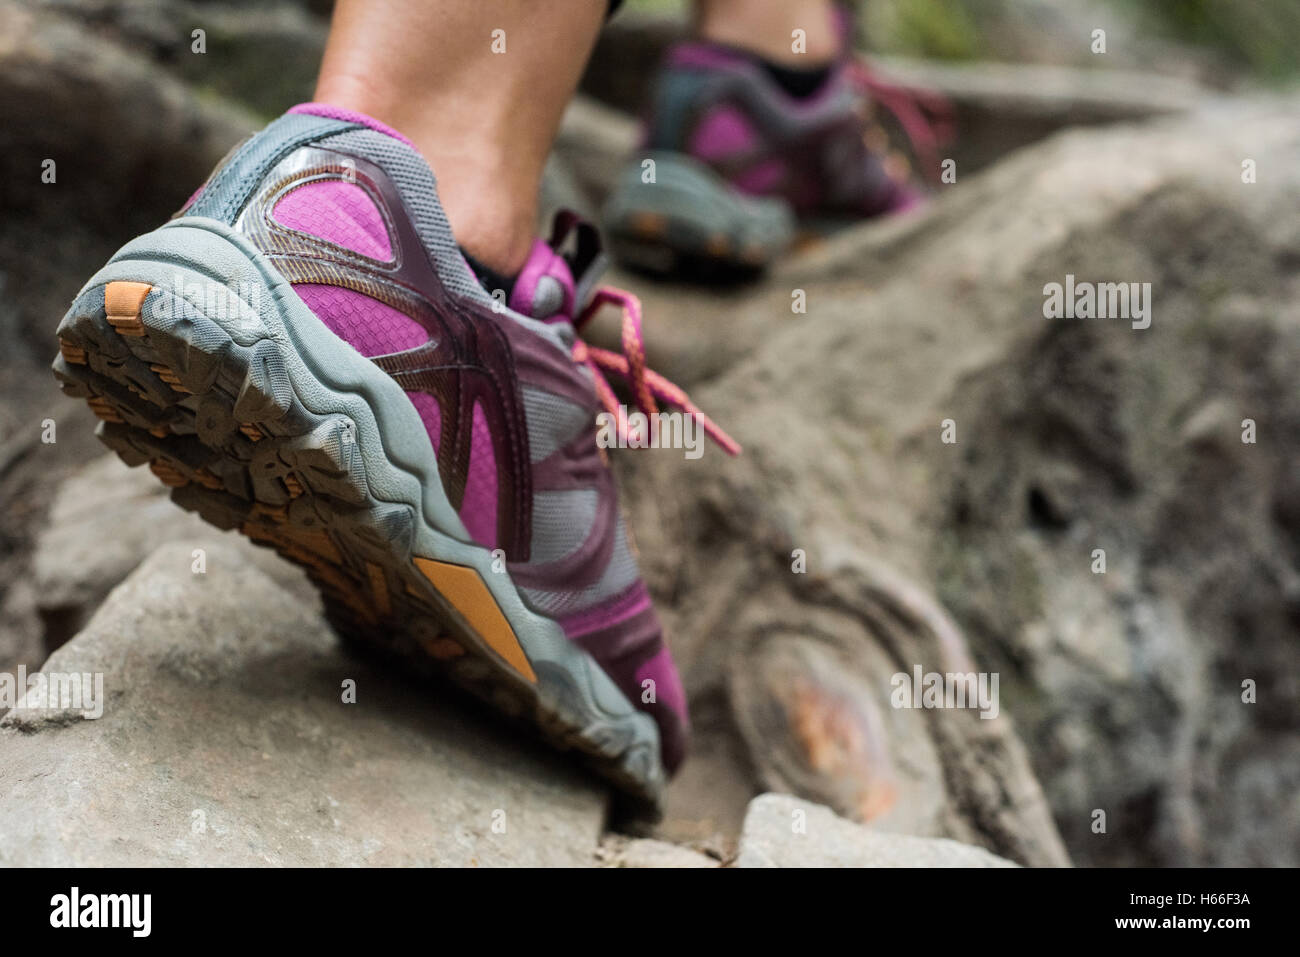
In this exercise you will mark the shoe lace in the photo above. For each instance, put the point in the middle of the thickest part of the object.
(926, 117)
(648, 387)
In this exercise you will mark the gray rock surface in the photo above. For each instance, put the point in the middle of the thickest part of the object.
(102, 114)
(104, 521)
(642, 852)
(595, 142)
(224, 741)
(1071, 435)
(264, 53)
(785, 831)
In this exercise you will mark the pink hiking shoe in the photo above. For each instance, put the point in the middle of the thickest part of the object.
(738, 160)
(304, 354)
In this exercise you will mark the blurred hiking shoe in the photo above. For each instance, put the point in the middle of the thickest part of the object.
(736, 150)
(304, 353)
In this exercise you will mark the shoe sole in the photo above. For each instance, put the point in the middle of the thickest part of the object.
(689, 220)
(202, 361)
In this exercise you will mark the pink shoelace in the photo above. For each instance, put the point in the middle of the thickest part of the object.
(648, 387)
(926, 117)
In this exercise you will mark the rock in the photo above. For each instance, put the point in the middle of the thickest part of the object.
(816, 718)
(560, 190)
(618, 851)
(30, 470)
(20, 630)
(263, 54)
(596, 142)
(104, 521)
(79, 112)
(101, 114)
(1000, 107)
(785, 831)
(627, 52)
(1070, 435)
(224, 742)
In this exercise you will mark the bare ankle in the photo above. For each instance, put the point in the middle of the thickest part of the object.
(795, 33)
(490, 200)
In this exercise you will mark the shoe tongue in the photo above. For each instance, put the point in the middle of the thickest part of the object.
(544, 287)
(561, 273)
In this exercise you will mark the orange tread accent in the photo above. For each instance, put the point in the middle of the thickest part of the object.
(122, 302)
(205, 478)
(317, 554)
(274, 514)
(104, 409)
(170, 377)
(314, 540)
(650, 225)
(71, 353)
(168, 474)
(466, 591)
(127, 325)
(125, 298)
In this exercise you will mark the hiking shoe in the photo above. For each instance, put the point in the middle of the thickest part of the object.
(730, 161)
(304, 354)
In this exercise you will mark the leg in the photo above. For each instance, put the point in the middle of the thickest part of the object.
(767, 28)
(484, 120)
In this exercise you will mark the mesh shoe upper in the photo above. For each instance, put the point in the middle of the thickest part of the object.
(720, 105)
(346, 210)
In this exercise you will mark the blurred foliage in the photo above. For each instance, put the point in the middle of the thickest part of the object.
(1263, 35)
(935, 29)
(1259, 36)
